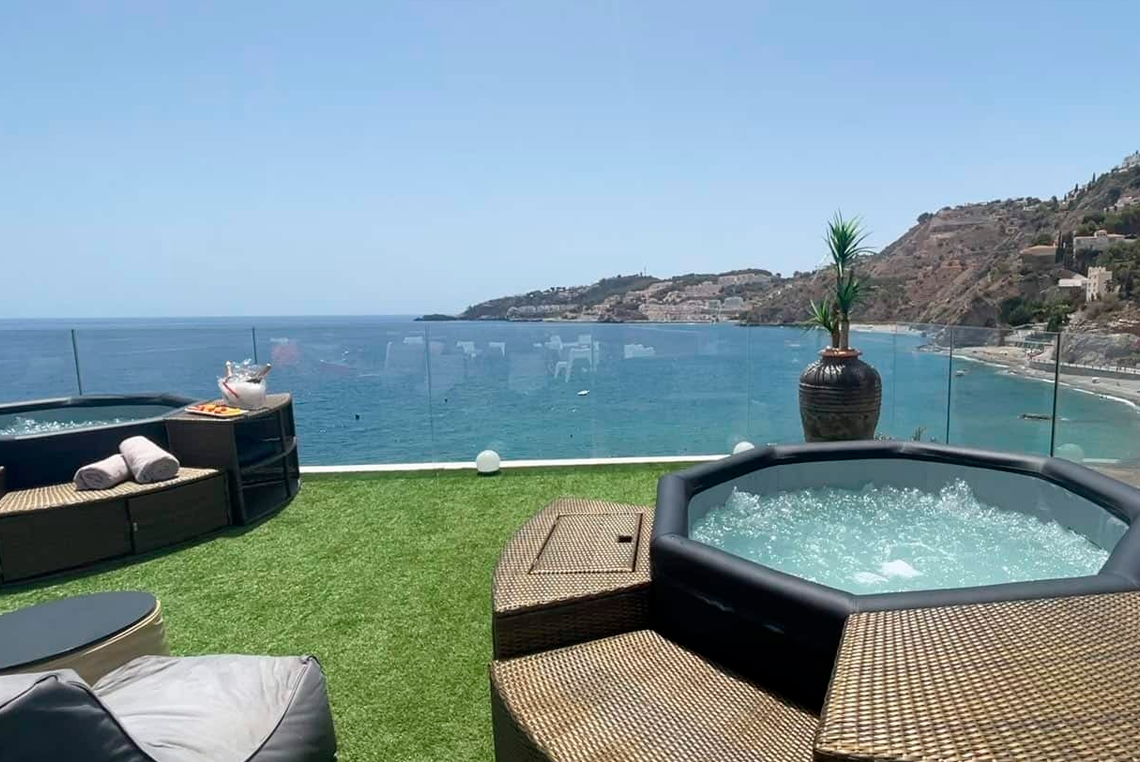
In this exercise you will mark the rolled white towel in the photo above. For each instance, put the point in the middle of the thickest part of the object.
(103, 474)
(148, 462)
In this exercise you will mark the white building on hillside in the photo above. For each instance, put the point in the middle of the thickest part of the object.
(1076, 281)
(1097, 285)
(1098, 241)
(1130, 161)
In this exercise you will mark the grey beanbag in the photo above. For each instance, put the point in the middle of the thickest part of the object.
(168, 709)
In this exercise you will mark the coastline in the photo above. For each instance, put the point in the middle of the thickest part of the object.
(1015, 361)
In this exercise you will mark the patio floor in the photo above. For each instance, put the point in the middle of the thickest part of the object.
(386, 578)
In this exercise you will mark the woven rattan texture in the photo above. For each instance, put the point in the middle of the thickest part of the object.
(1040, 681)
(60, 495)
(569, 622)
(516, 587)
(637, 696)
(590, 542)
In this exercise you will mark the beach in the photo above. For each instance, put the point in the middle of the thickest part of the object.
(1015, 361)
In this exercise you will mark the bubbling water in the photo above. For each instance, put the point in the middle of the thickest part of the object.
(22, 426)
(884, 539)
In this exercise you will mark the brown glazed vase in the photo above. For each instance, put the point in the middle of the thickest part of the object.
(840, 397)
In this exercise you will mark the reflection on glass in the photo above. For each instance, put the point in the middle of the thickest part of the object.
(360, 387)
(520, 389)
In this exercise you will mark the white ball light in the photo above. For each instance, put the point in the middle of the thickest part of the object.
(487, 463)
(1071, 452)
(742, 447)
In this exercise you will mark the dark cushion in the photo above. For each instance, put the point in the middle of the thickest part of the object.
(55, 715)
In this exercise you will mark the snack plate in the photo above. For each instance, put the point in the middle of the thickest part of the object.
(231, 413)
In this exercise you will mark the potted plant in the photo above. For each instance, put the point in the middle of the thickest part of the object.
(840, 395)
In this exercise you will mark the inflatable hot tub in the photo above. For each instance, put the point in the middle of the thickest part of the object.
(44, 441)
(758, 559)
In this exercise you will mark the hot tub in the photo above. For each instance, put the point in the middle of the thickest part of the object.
(44, 441)
(773, 605)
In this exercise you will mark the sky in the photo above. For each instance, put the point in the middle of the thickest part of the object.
(164, 158)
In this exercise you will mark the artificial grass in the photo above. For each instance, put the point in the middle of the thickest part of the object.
(386, 578)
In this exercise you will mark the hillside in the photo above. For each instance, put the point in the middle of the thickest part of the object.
(959, 265)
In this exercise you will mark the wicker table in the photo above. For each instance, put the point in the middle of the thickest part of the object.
(576, 571)
(91, 634)
(257, 450)
(1041, 681)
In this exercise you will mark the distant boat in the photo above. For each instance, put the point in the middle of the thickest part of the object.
(959, 373)
(583, 393)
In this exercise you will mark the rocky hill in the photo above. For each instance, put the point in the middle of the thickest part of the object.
(959, 265)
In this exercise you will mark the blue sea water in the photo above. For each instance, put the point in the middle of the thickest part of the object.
(389, 390)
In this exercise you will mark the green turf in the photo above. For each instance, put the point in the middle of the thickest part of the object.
(386, 578)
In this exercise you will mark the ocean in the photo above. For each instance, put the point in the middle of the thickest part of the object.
(390, 390)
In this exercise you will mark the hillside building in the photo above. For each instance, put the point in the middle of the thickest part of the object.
(1076, 281)
(1098, 241)
(1039, 257)
(1097, 285)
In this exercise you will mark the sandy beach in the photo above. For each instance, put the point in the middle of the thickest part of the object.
(1015, 360)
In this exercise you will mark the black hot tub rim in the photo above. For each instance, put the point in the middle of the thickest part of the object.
(173, 401)
(723, 605)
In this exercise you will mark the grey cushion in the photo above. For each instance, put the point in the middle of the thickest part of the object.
(167, 709)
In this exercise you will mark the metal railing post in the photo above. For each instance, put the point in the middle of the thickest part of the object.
(1056, 385)
(253, 334)
(949, 382)
(75, 356)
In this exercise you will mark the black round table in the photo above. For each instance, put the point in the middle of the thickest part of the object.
(75, 633)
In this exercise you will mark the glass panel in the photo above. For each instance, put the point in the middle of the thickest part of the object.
(360, 387)
(36, 364)
(670, 389)
(179, 359)
(997, 400)
(879, 343)
(777, 355)
(914, 365)
(523, 390)
(1097, 420)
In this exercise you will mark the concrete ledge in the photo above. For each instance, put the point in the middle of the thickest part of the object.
(470, 465)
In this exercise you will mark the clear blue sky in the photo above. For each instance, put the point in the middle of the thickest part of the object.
(390, 157)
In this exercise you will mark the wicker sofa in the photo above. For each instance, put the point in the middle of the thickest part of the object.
(54, 527)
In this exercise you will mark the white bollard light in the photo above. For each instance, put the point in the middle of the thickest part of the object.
(487, 463)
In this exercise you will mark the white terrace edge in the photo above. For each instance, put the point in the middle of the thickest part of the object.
(469, 465)
(541, 463)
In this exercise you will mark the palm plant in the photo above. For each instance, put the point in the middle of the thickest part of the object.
(844, 239)
(822, 315)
